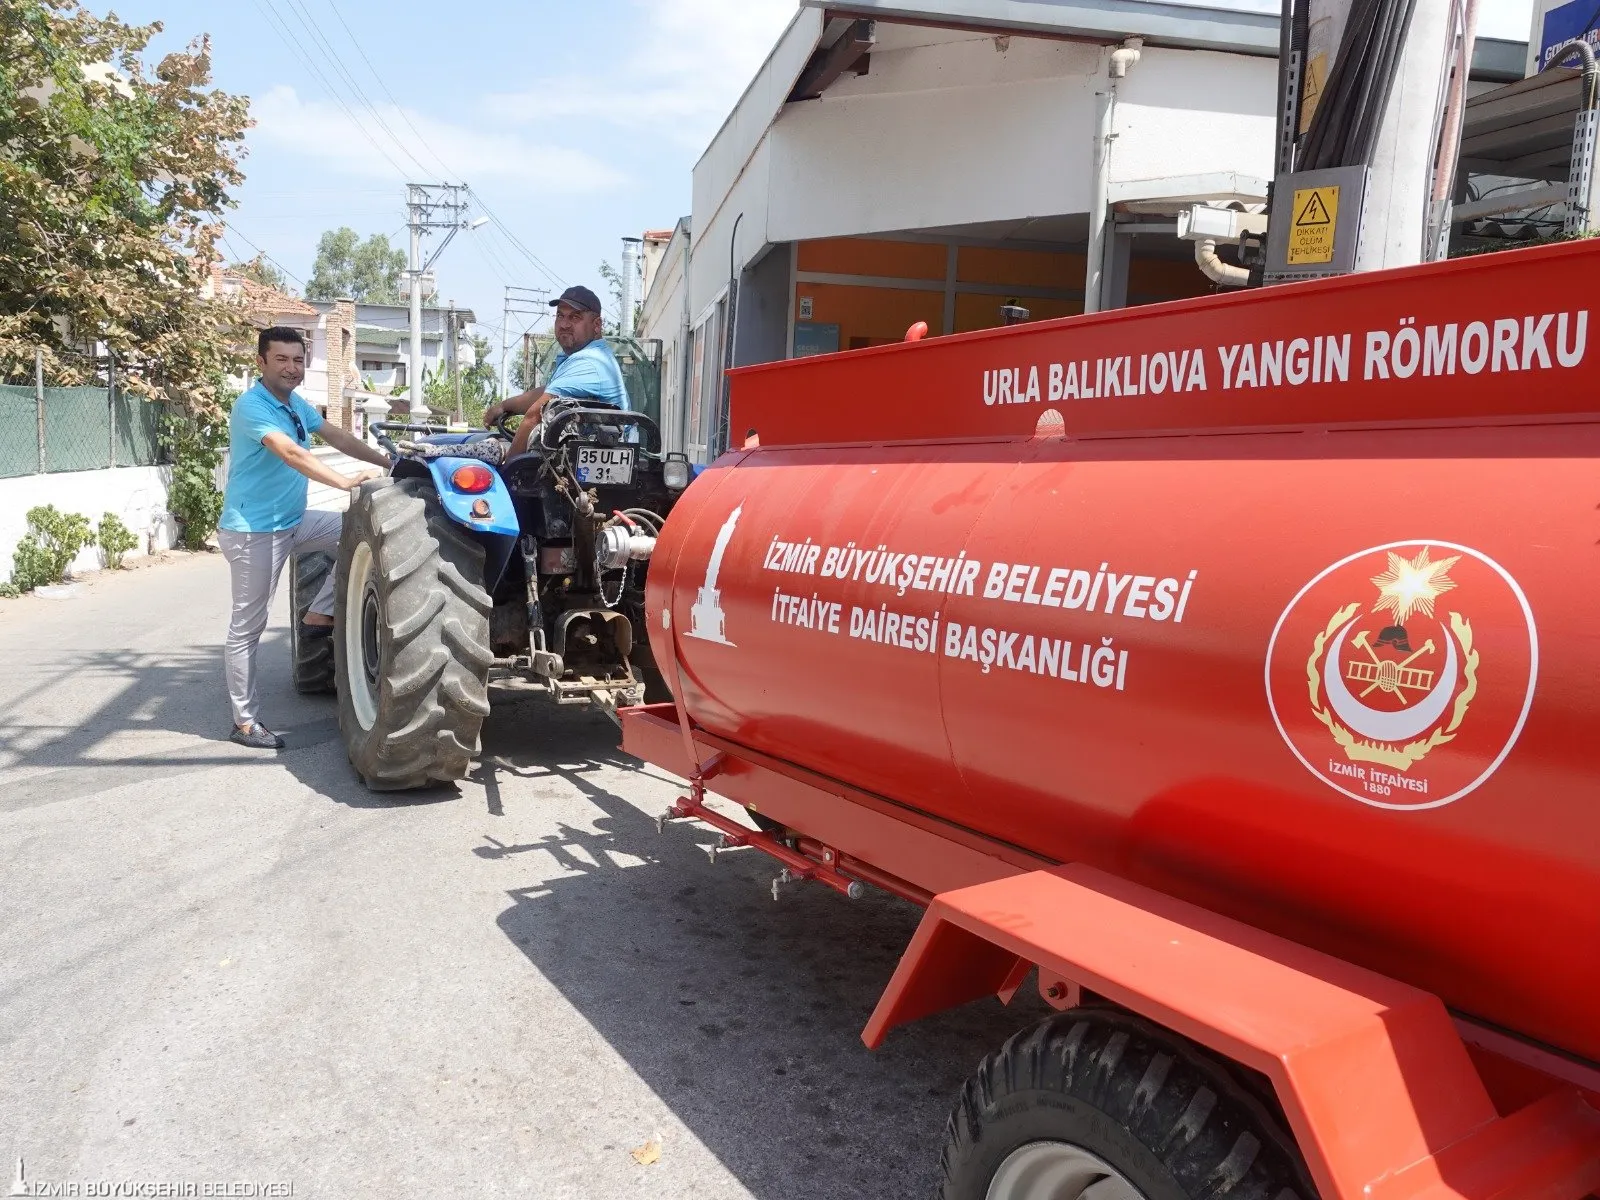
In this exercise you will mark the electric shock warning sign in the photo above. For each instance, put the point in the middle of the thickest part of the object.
(1316, 216)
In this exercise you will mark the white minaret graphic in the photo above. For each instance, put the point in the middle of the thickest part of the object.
(19, 1186)
(706, 617)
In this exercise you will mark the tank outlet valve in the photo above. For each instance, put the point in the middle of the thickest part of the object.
(617, 547)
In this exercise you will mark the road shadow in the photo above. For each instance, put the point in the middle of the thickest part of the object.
(81, 721)
(85, 721)
(744, 1015)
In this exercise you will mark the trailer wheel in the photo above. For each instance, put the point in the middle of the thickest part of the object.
(311, 658)
(1099, 1101)
(413, 647)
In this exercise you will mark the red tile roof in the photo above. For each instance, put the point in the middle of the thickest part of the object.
(261, 302)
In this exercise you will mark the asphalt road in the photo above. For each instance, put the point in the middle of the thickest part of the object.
(220, 965)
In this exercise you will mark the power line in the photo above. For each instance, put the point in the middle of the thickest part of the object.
(324, 192)
(491, 263)
(404, 116)
(423, 142)
(515, 242)
(287, 37)
(361, 98)
(233, 230)
(298, 9)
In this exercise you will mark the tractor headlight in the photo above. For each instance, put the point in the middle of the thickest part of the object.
(675, 472)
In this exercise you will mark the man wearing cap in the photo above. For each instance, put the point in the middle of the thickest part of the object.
(585, 369)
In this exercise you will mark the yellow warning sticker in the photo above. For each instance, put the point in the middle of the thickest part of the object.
(1316, 216)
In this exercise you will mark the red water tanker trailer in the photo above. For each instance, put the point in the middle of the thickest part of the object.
(1234, 663)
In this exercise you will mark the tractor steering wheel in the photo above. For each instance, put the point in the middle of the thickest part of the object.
(501, 428)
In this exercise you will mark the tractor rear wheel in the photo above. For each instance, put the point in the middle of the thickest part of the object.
(412, 646)
(1098, 1104)
(312, 658)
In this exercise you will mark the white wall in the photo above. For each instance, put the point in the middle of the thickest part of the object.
(916, 160)
(383, 380)
(136, 494)
(710, 255)
(953, 129)
(731, 149)
(661, 311)
(662, 316)
(1192, 112)
(947, 130)
(315, 387)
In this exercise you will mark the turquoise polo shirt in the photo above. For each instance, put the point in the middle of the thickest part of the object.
(590, 373)
(264, 493)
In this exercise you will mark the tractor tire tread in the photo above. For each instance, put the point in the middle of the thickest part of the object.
(312, 662)
(434, 642)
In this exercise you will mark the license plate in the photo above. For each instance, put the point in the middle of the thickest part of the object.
(605, 464)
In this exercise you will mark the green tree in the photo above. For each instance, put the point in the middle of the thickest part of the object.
(479, 386)
(613, 279)
(368, 271)
(197, 443)
(542, 350)
(112, 180)
(262, 271)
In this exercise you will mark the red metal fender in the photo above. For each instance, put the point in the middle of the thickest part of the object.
(1376, 1083)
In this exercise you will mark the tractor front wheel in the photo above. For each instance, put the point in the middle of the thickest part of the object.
(412, 642)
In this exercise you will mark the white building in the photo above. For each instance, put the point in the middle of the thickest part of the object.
(664, 314)
(383, 342)
(896, 161)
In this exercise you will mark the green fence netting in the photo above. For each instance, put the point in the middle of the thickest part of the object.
(138, 426)
(77, 429)
(19, 431)
(85, 429)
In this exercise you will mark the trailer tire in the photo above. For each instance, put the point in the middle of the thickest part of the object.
(1094, 1094)
(311, 658)
(412, 650)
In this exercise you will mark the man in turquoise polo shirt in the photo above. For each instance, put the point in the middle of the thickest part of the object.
(586, 369)
(264, 517)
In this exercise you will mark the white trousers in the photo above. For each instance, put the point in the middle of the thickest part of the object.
(256, 560)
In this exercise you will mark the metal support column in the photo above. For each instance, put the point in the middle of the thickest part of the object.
(1583, 202)
(39, 402)
(111, 408)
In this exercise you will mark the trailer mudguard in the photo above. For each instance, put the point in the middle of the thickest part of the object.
(1374, 1078)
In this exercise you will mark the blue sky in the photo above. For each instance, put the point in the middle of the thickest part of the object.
(577, 123)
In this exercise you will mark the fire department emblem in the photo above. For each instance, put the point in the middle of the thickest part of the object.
(1402, 676)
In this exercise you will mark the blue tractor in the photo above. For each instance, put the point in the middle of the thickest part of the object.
(466, 566)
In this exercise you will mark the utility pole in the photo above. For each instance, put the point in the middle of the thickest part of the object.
(532, 302)
(429, 206)
(630, 284)
(505, 331)
(1372, 176)
(455, 369)
(527, 359)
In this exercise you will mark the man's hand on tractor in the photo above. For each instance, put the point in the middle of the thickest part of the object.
(352, 482)
(513, 406)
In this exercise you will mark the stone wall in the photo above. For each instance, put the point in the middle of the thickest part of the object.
(341, 334)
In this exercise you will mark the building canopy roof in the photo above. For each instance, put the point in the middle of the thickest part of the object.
(1241, 26)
